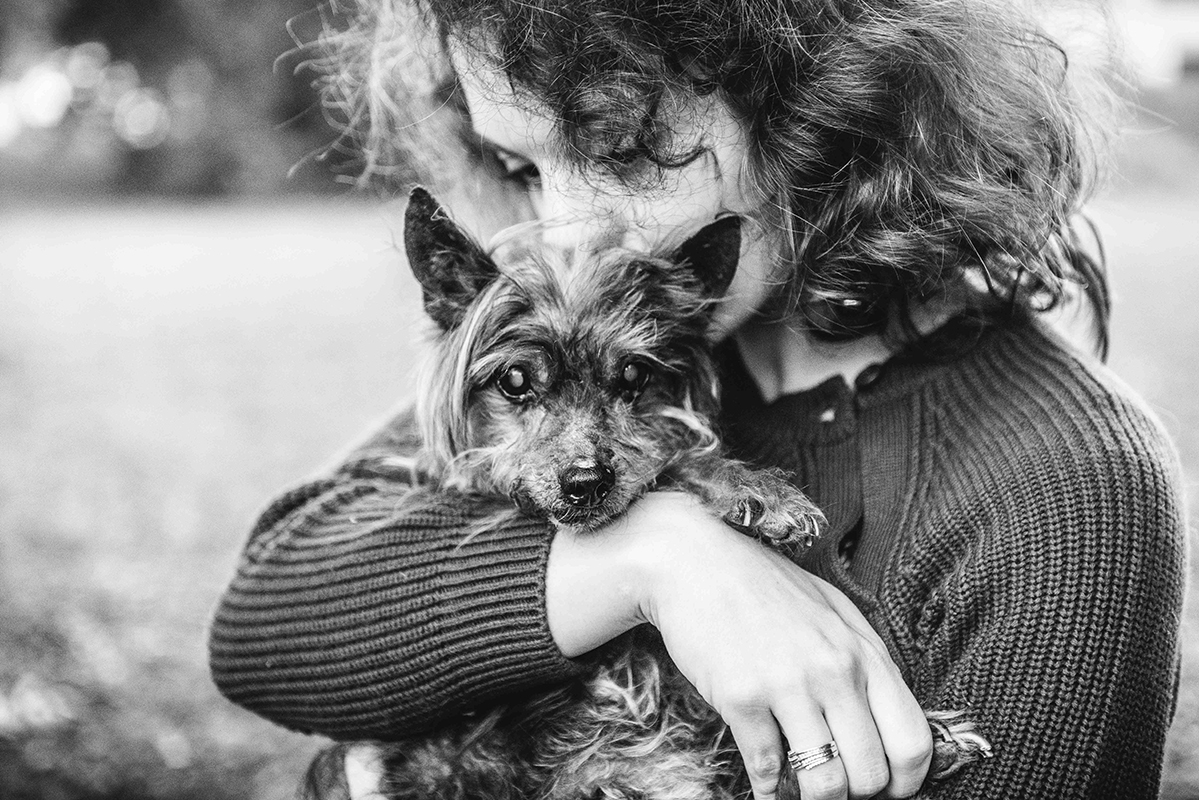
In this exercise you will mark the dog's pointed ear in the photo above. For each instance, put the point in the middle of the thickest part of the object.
(451, 268)
(713, 253)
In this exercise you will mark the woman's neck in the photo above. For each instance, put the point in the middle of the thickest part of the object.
(783, 358)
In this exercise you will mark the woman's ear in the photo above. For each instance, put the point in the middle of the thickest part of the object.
(713, 254)
(451, 268)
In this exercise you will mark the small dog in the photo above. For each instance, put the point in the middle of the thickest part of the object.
(573, 383)
(573, 388)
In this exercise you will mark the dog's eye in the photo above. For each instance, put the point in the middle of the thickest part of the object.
(634, 375)
(515, 384)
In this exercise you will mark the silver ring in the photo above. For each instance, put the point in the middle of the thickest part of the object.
(812, 757)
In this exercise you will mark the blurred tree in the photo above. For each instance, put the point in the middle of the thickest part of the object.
(192, 101)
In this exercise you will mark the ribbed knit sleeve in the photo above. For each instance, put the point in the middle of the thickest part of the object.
(1043, 592)
(356, 613)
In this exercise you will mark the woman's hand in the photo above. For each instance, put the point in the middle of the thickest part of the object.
(785, 658)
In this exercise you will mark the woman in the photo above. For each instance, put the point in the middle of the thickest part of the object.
(1005, 532)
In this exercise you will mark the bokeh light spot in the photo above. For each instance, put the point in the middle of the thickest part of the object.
(85, 64)
(141, 118)
(116, 80)
(43, 96)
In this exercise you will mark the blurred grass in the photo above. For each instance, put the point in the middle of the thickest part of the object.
(166, 369)
(163, 371)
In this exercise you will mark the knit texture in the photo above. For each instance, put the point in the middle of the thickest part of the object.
(358, 614)
(1010, 522)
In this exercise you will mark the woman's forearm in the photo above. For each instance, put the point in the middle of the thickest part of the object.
(776, 651)
(602, 583)
(355, 618)
(595, 581)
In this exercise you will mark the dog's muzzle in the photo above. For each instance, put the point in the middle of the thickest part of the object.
(586, 483)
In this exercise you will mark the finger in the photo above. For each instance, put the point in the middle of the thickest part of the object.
(899, 720)
(761, 744)
(806, 728)
(863, 756)
(903, 729)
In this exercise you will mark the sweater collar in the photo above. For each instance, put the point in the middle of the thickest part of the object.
(829, 411)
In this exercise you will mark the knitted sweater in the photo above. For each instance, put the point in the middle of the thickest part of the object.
(1009, 521)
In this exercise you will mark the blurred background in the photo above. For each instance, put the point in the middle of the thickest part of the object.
(196, 310)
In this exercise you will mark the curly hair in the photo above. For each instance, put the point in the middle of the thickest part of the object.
(911, 149)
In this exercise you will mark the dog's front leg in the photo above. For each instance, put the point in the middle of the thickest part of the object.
(758, 502)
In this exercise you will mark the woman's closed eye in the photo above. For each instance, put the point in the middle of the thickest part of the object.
(517, 168)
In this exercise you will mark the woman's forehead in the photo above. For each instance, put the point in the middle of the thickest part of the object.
(498, 114)
(519, 123)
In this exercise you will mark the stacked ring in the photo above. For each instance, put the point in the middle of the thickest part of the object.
(812, 757)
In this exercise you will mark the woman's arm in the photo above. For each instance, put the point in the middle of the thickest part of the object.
(1060, 631)
(775, 650)
(357, 614)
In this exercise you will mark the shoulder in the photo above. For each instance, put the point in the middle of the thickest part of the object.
(1041, 481)
(1044, 564)
(1031, 454)
(1032, 410)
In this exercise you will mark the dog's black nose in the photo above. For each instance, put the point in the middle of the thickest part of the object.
(586, 483)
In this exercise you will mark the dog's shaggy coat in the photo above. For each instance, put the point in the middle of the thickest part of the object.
(573, 382)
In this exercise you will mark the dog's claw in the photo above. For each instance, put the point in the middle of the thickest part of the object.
(790, 524)
(751, 511)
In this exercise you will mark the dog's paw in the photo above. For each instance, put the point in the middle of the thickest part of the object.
(777, 513)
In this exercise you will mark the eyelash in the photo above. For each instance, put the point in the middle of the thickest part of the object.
(516, 168)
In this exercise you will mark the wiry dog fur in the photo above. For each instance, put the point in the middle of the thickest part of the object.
(572, 383)
(574, 329)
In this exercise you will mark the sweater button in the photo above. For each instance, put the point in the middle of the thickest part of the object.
(868, 377)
